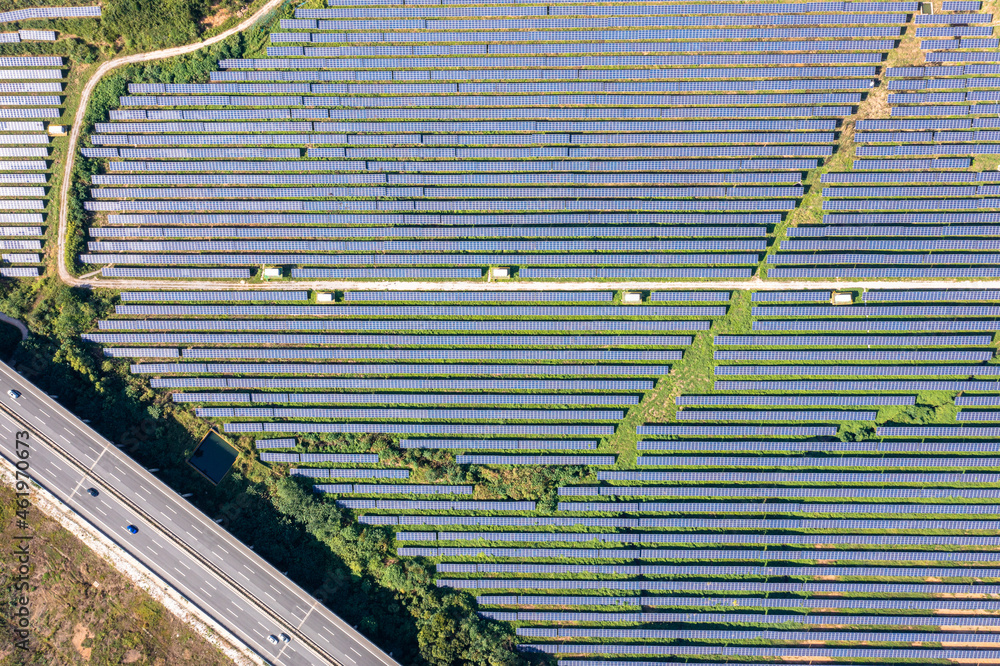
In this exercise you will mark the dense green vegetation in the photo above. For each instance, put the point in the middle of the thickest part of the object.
(448, 631)
(146, 25)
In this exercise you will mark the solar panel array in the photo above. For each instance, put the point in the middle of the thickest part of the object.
(433, 153)
(480, 115)
(920, 124)
(296, 390)
(23, 182)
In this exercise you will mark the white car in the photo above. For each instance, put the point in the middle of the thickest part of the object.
(14, 394)
(273, 639)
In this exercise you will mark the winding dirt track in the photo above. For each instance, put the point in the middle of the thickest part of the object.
(96, 281)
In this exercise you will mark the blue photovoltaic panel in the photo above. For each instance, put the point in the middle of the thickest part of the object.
(696, 461)
(778, 400)
(858, 370)
(419, 428)
(932, 431)
(422, 310)
(167, 296)
(857, 386)
(279, 457)
(941, 295)
(739, 430)
(287, 443)
(409, 398)
(773, 415)
(851, 340)
(681, 296)
(790, 296)
(977, 400)
(533, 460)
(395, 340)
(811, 445)
(363, 413)
(501, 444)
(853, 355)
(874, 325)
(427, 354)
(462, 296)
(409, 369)
(784, 492)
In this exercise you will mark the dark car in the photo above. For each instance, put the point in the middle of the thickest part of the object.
(132, 529)
(92, 492)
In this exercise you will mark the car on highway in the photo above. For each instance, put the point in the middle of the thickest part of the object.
(273, 639)
(14, 393)
(132, 529)
(92, 492)
(285, 638)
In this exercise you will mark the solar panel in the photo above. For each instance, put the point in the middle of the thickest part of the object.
(774, 415)
(472, 444)
(760, 400)
(286, 443)
(533, 460)
(738, 431)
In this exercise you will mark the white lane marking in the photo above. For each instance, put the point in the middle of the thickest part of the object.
(270, 597)
(169, 509)
(77, 487)
(56, 466)
(223, 549)
(98, 509)
(183, 565)
(44, 413)
(354, 651)
(211, 586)
(274, 588)
(196, 529)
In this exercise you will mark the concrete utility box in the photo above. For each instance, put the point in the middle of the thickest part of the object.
(57, 130)
(842, 298)
(324, 298)
(500, 272)
(272, 273)
(630, 297)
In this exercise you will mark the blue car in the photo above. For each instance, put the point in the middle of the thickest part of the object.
(132, 529)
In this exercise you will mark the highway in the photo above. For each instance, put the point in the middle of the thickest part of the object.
(212, 569)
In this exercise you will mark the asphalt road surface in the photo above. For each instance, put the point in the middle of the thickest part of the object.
(262, 601)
